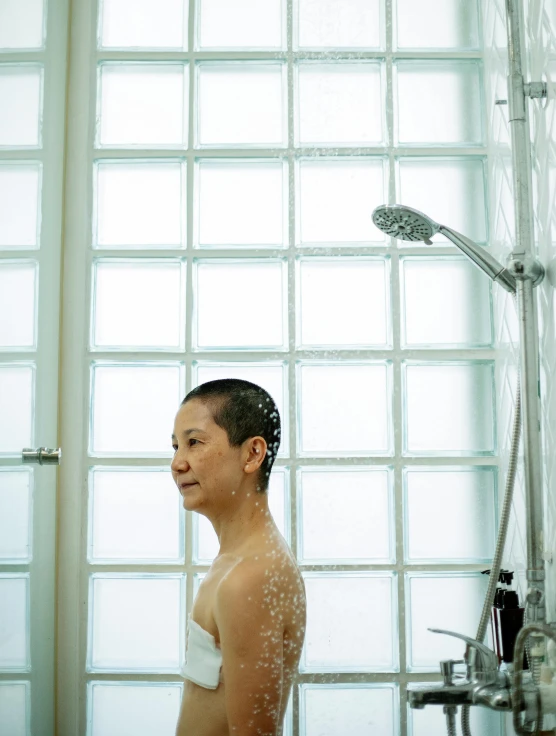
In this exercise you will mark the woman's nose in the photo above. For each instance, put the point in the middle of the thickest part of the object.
(179, 462)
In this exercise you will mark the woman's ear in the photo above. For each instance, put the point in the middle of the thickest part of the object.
(256, 453)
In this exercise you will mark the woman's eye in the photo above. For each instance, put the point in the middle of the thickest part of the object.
(175, 448)
(192, 440)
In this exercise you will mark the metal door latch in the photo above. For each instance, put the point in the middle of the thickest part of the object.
(42, 456)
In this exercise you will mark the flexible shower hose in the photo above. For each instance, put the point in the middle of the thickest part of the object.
(451, 713)
(501, 540)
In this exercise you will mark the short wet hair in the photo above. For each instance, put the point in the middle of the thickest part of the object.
(243, 410)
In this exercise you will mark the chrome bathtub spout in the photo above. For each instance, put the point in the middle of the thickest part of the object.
(496, 696)
(483, 684)
(439, 694)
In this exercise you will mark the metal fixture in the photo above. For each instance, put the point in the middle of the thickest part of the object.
(524, 267)
(447, 668)
(532, 89)
(407, 223)
(524, 693)
(485, 683)
(535, 89)
(42, 456)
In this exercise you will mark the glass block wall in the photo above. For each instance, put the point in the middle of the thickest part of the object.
(539, 33)
(237, 154)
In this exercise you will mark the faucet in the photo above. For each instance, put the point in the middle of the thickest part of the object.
(483, 683)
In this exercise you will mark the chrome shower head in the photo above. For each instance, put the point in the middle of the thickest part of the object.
(404, 223)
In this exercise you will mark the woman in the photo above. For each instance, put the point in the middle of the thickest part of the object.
(247, 626)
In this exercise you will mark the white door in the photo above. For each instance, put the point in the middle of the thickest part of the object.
(32, 98)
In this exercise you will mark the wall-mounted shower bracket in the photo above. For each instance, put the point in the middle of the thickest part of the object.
(526, 268)
(530, 89)
(518, 90)
(535, 89)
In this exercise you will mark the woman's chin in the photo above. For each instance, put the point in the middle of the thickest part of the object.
(190, 501)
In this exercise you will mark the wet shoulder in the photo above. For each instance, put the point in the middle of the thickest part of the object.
(278, 572)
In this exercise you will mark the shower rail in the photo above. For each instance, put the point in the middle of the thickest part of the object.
(526, 270)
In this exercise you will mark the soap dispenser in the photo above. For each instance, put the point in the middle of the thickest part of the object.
(511, 619)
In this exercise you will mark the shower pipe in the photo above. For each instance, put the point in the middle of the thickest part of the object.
(528, 272)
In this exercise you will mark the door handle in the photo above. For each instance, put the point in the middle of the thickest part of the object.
(42, 456)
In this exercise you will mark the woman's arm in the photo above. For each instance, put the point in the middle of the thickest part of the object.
(250, 625)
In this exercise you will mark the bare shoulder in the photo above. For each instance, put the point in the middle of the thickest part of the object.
(270, 576)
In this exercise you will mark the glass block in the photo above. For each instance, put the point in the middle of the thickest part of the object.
(359, 313)
(355, 418)
(242, 203)
(241, 286)
(366, 641)
(273, 377)
(449, 409)
(122, 612)
(15, 708)
(205, 540)
(438, 103)
(20, 186)
(17, 403)
(133, 408)
(338, 24)
(138, 304)
(437, 24)
(21, 105)
(445, 303)
(141, 708)
(434, 497)
(16, 516)
(242, 104)
(334, 201)
(143, 24)
(339, 104)
(329, 531)
(250, 24)
(21, 26)
(140, 204)
(18, 304)
(143, 105)
(135, 516)
(441, 601)
(450, 190)
(357, 709)
(197, 580)
(14, 603)
(431, 721)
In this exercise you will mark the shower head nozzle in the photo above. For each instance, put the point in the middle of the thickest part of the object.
(404, 223)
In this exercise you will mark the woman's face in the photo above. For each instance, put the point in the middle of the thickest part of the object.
(205, 467)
